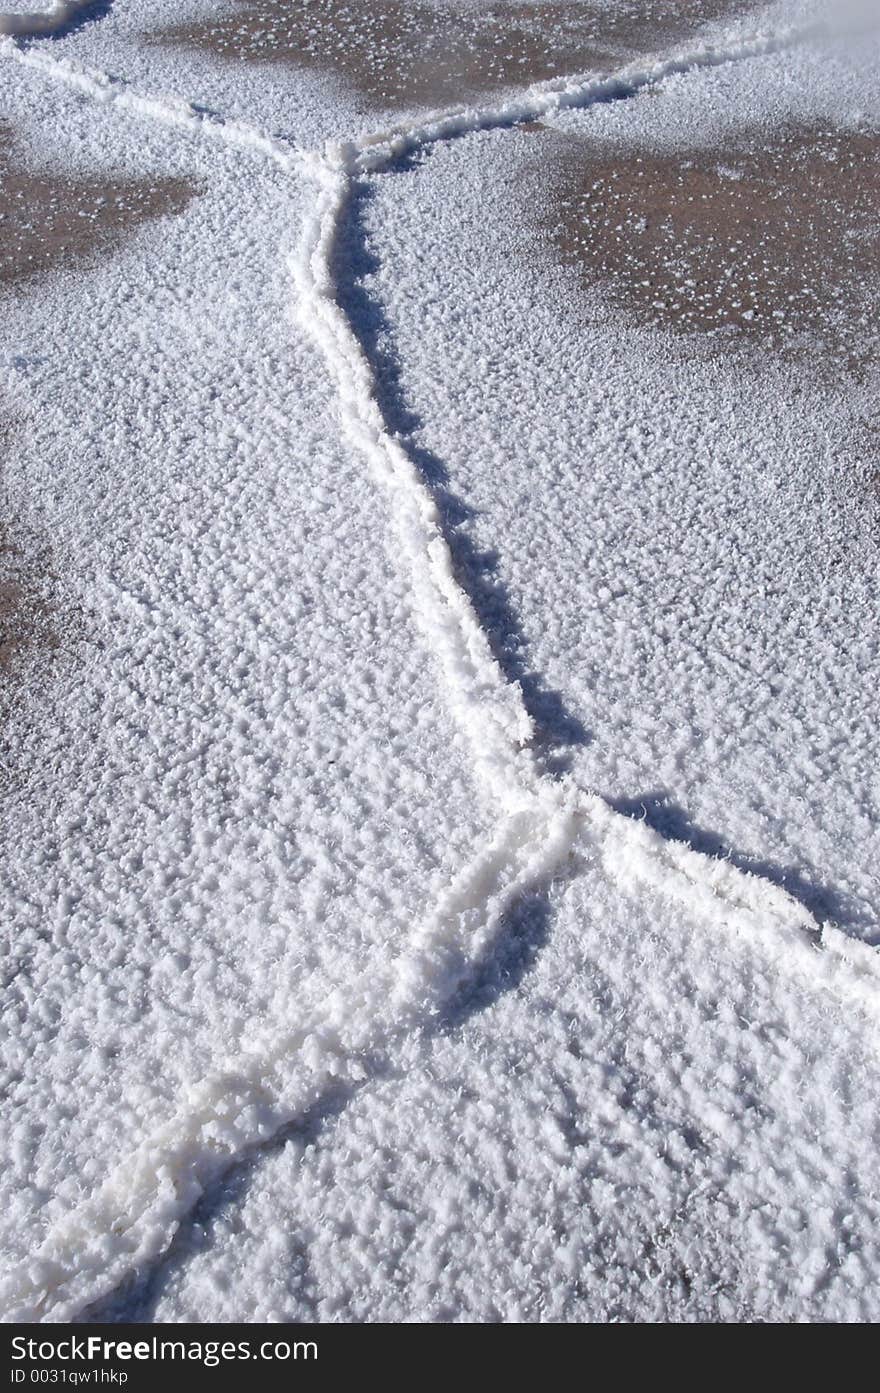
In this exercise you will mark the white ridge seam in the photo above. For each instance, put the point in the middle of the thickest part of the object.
(132, 1217)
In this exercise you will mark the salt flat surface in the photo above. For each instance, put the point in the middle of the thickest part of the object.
(686, 534)
(203, 772)
(416, 609)
(603, 1130)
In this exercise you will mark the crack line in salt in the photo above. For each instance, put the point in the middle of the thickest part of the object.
(132, 1217)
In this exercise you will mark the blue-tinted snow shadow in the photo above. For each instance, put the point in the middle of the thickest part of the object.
(137, 1298)
(825, 902)
(526, 926)
(557, 729)
(609, 91)
(89, 14)
(523, 933)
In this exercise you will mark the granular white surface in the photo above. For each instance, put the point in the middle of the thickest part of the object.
(357, 968)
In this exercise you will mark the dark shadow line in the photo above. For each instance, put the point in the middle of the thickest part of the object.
(512, 955)
(137, 1296)
(523, 934)
(557, 729)
(525, 927)
(89, 14)
(824, 901)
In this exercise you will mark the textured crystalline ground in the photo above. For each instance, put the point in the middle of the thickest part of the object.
(238, 778)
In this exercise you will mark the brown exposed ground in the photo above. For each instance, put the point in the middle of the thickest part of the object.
(48, 221)
(24, 619)
(51, 220)
(403, 54)
(775, 238)
(10, 603)
(32, 626)
(24, 615)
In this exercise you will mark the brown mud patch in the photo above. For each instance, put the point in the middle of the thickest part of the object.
(25, 579)
(775, 238)
(35, 635)
(48, 221)
(54, 220)
(24, 615)
(398, 54)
